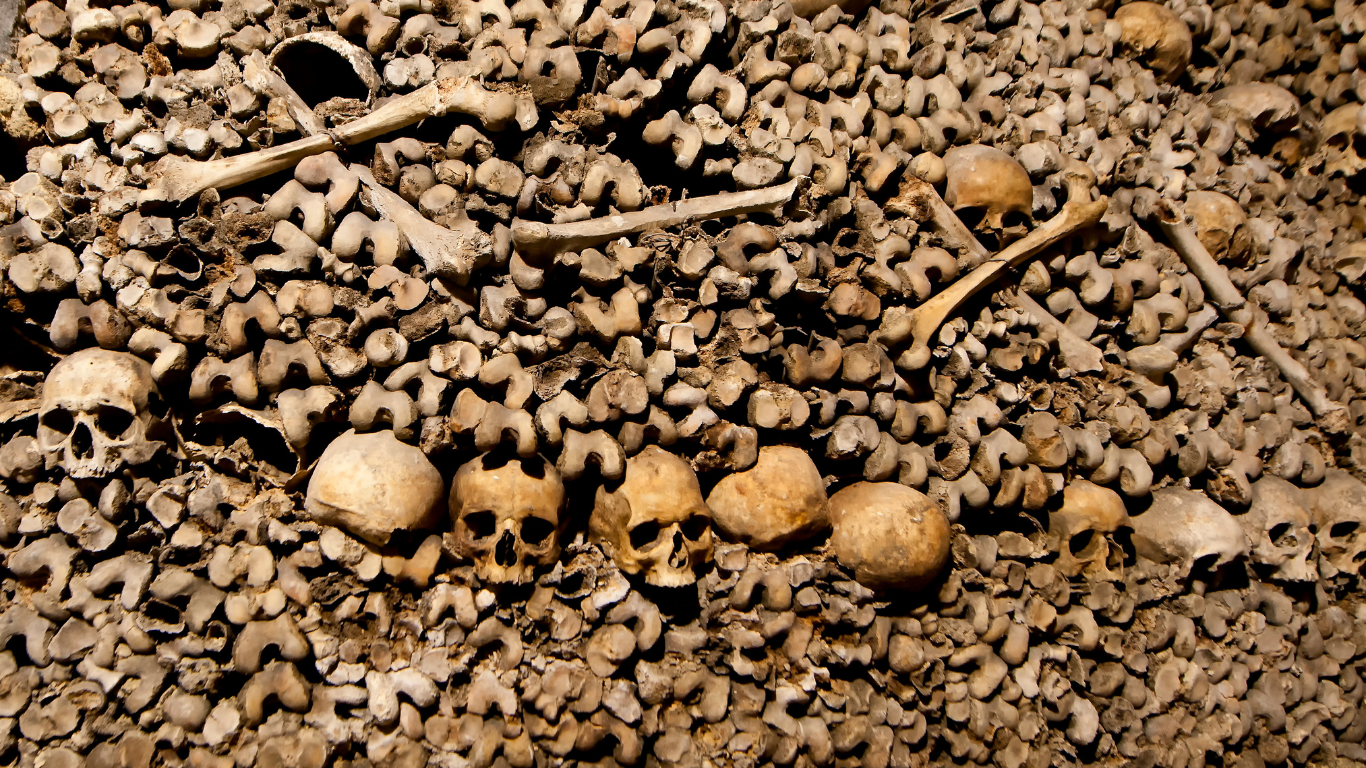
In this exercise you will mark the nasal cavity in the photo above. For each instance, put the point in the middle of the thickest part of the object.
(678, 558)
(81, 442)
(505, 554)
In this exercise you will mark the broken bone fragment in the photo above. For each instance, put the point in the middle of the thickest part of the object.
(372, 485)
(779, 501)
(892, 537)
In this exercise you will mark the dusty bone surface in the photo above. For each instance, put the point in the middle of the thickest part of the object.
(395, 383)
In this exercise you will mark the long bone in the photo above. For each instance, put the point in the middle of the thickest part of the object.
(1224, 294)
(262, 78)
(449, 253)
(179, 179)
(920, 324)
(918, 199)
(1077, 353)
(532, 238)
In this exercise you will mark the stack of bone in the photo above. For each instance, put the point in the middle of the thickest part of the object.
(679, 382)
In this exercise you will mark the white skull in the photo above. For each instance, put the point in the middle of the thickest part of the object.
(655, 523)
(1338, 506)
(1080, 532)
(374, 486)
(100, 410)
(1278, 526)
(1188, 530)
(508, 516)
(1338, 142)
(989, 191)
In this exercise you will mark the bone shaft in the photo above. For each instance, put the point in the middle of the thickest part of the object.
(1078, 353)
(246, 168)
(951, 227)
(396, 114)
(1213, 277)
(530, 237)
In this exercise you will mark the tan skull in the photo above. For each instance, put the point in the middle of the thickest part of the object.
(1221, 226)
(892, 537)
(1339, 142)
(1157, 36)
(1080, 532)
(655, 523)
(781, 499)
(100, 410)
(1278, 526)
(373, 486)
(508, 516)
(1338, 506)
(990, 192)
(1188, 530)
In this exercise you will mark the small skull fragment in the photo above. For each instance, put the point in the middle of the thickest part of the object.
(1278, 526)
(373, 486)
(508, 516)
(780, 500)
(1080, 531)
(892, 537)
(655, 523)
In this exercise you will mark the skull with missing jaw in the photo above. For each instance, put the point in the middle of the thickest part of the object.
(990, 192)
(508, 515)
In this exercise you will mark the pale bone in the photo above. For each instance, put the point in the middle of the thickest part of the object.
(890, 536)
(918, 199)
(921, 324)
(537, 239)
(508, 520)
(1279, 509)
(1185, 528)
(779, 501)
(82, 386)
(1090, 511)
(373, 485)
(448, 253)
(180, 180)
(1077, 353)
(1333, 417)
(262, 78)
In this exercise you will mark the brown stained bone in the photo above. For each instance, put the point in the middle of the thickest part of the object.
(1077, 353)
(178, 180)
(1333, 416)
(918, 199)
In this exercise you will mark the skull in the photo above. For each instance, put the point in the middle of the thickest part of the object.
(100, 410)
(989, 191)
(373, 485)
(1340, 138)
(1221, 226)
(781, 499)
(1157, 36)
(655, 523)
(1278, 526)
(1187, 530)
(508, 516)
(1080, 531)
(892, 537)
(1338, 506)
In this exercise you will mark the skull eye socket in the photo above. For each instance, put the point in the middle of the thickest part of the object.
(645, 535)
(695, 526)
(971, 216)
(112, 421)
(59, 421)
(535, 531)
(1343, 529)
(1278, 535)
(1082, 543)
(1013, 219)
(481, 524)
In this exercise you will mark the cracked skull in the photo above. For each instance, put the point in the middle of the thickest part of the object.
(508, 516)
(1187, 530)
(655, 523)
(990, 192)
(1338, 506)
(100, 411)
(1080, 532)
(1278, 526)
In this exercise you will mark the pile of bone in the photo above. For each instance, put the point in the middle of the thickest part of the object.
(677, 382)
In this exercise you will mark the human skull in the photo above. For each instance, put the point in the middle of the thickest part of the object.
(1277, 524)
(508, 516)
(1157, 36)
(781, 499)
(1339, 140)
(1080, 531)
(1188, 530)
(655, 523)
(373, 485)
(100, 410)
(892, 537)
(1221, 226)
(989, 191)
(1338, 506)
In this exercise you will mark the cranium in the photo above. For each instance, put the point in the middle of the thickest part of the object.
(1278, 527)
(100, 410)
(892, 537)
(1338, 506)
(1188, 530)
(373, 485)
(989, 191)
(508, 516)
(1158, 36)
(1221, 226)
(655, 523)
(1338, 142)
(1080, 531)
(781, 499)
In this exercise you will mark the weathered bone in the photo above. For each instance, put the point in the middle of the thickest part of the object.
(919, 200)
(179, 179)
(448, 253)
(1077, 353)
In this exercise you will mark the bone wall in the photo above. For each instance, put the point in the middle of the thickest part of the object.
(599, 383)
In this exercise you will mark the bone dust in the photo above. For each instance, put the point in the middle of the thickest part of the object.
(683, 383)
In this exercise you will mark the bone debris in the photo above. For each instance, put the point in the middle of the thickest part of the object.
(659, 383)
